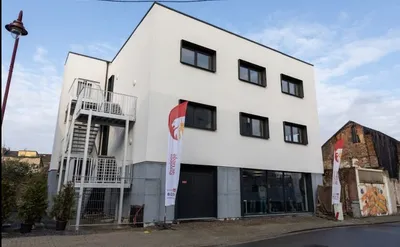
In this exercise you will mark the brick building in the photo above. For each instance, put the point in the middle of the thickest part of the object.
(364, 147)
(370, 162)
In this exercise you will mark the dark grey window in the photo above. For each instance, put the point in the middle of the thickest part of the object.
(292, 86)
(295, 133)
(269, 192)
(253, 125)
(252, 73)
(200, 116)
(198, 56)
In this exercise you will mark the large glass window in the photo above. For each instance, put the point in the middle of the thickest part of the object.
(254, 192)
(295, 192)
(271, 192)
(276, 200)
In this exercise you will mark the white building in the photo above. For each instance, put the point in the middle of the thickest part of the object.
(251, 143)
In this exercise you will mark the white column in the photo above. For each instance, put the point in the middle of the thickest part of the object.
(69, 150)
(121, 196)
(85, 154)
(63, 148)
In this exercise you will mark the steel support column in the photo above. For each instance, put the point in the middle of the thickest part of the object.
(85, 157)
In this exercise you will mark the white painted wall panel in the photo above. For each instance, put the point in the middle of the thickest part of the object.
(172, 81)
(133, 71)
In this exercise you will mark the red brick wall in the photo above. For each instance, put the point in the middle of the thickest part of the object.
(361, 154)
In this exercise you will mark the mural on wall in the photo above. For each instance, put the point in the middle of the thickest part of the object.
(373, 200)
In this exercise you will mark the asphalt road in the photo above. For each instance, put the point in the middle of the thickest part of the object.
(387, 235)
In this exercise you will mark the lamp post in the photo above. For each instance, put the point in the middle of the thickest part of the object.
(17, 29)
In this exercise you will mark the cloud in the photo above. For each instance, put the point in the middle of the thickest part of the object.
(343, 58)
(32, 106)
(98, 49)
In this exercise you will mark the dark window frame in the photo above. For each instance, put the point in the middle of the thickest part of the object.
(295, 81)
(304, 134)
(308, 193)
(264, 121)
(262, 72)
(202, 50)
(204, 106)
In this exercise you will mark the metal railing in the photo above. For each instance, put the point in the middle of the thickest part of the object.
(101, 171)
(80, 83)
(106, 102)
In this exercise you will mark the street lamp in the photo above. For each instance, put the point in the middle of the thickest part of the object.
(17, 29)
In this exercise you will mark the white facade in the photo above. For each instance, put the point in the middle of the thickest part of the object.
(148, 70)
(161, 80)
(149, 67)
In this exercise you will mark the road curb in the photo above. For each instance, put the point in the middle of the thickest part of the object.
(295, 232)
(339, 226)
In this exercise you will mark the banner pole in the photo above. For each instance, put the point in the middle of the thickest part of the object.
(165, 216)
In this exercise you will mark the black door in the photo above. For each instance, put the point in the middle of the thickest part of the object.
(197, 192)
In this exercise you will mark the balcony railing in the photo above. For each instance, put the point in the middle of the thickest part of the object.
(101, 171)
(80, 83)
(106, 102)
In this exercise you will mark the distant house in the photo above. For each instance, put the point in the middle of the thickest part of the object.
(369, 170)
(38, 162)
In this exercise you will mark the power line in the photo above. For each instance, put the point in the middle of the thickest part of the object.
(161, 1)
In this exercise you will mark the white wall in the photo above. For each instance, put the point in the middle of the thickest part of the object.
(171, 81)
(132, 70)
(76, 66)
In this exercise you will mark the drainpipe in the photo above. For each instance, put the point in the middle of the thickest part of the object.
(121, 198)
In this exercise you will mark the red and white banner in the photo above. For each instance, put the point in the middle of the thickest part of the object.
(337, 155)
(176, 125)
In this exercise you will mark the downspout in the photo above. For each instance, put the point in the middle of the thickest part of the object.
(101, 127)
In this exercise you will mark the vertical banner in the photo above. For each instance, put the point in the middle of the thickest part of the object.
(176, 125)
(337, 155)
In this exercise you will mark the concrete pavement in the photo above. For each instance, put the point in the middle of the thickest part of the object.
(217, 233)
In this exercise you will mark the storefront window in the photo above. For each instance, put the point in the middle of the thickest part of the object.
(295, 192)
(276, 200)
(254, 192)
(271, 192)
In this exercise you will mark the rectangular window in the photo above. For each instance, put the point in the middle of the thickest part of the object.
(201, 116)
(254, 126)
(198, 56)
(295, 133)
(269, 192)
(252, 73)
(292, 86)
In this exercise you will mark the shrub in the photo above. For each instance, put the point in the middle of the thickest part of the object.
(63, 203)
(33, 202)
(14, 176)
(8, 193)
(14, 171)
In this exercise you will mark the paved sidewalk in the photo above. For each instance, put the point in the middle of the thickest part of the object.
(216, 233)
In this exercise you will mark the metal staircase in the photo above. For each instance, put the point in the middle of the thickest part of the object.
(79, 135)
(88, 108)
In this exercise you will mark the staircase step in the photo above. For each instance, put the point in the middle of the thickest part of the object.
(83, 138)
